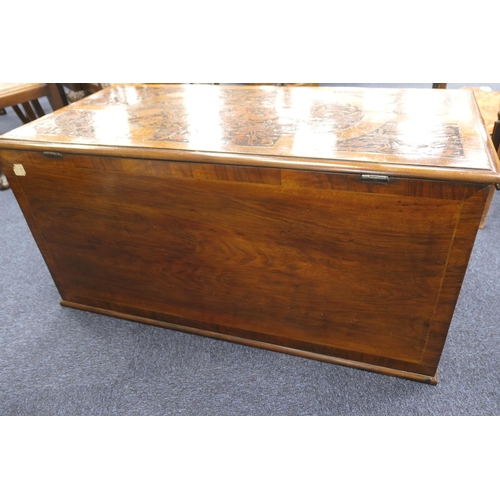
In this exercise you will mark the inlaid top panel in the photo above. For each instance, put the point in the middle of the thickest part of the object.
(416, 127)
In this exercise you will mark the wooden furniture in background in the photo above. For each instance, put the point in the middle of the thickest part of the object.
(78, 91)
(329, 223)
(26, 95)
(14, 94)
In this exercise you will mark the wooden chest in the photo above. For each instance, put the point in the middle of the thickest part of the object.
(330, 223)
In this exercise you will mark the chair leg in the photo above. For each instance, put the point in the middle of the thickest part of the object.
(57, 96)
(29, 111)
(29, 114)
(38, 108)
(19, 113)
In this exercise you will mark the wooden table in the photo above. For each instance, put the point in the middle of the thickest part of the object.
(330, 223)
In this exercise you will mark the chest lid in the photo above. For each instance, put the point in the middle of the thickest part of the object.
(423, 133)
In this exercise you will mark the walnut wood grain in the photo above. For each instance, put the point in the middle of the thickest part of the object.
(272, 256)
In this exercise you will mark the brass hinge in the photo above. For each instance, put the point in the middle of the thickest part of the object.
(379, 179)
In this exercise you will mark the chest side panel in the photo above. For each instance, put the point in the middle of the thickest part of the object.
(320, 262)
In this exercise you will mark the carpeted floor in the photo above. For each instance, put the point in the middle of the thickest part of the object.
(58, 361)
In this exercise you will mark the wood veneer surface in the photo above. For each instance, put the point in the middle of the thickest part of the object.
(248, 242)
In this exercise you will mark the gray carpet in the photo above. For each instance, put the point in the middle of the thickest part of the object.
(58, 361)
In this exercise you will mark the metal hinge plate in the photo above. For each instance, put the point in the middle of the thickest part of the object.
(379, 179)
(52, 154)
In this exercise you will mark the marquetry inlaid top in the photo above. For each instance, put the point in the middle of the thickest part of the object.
(407, 127)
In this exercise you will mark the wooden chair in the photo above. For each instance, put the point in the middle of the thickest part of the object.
(26, 95)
